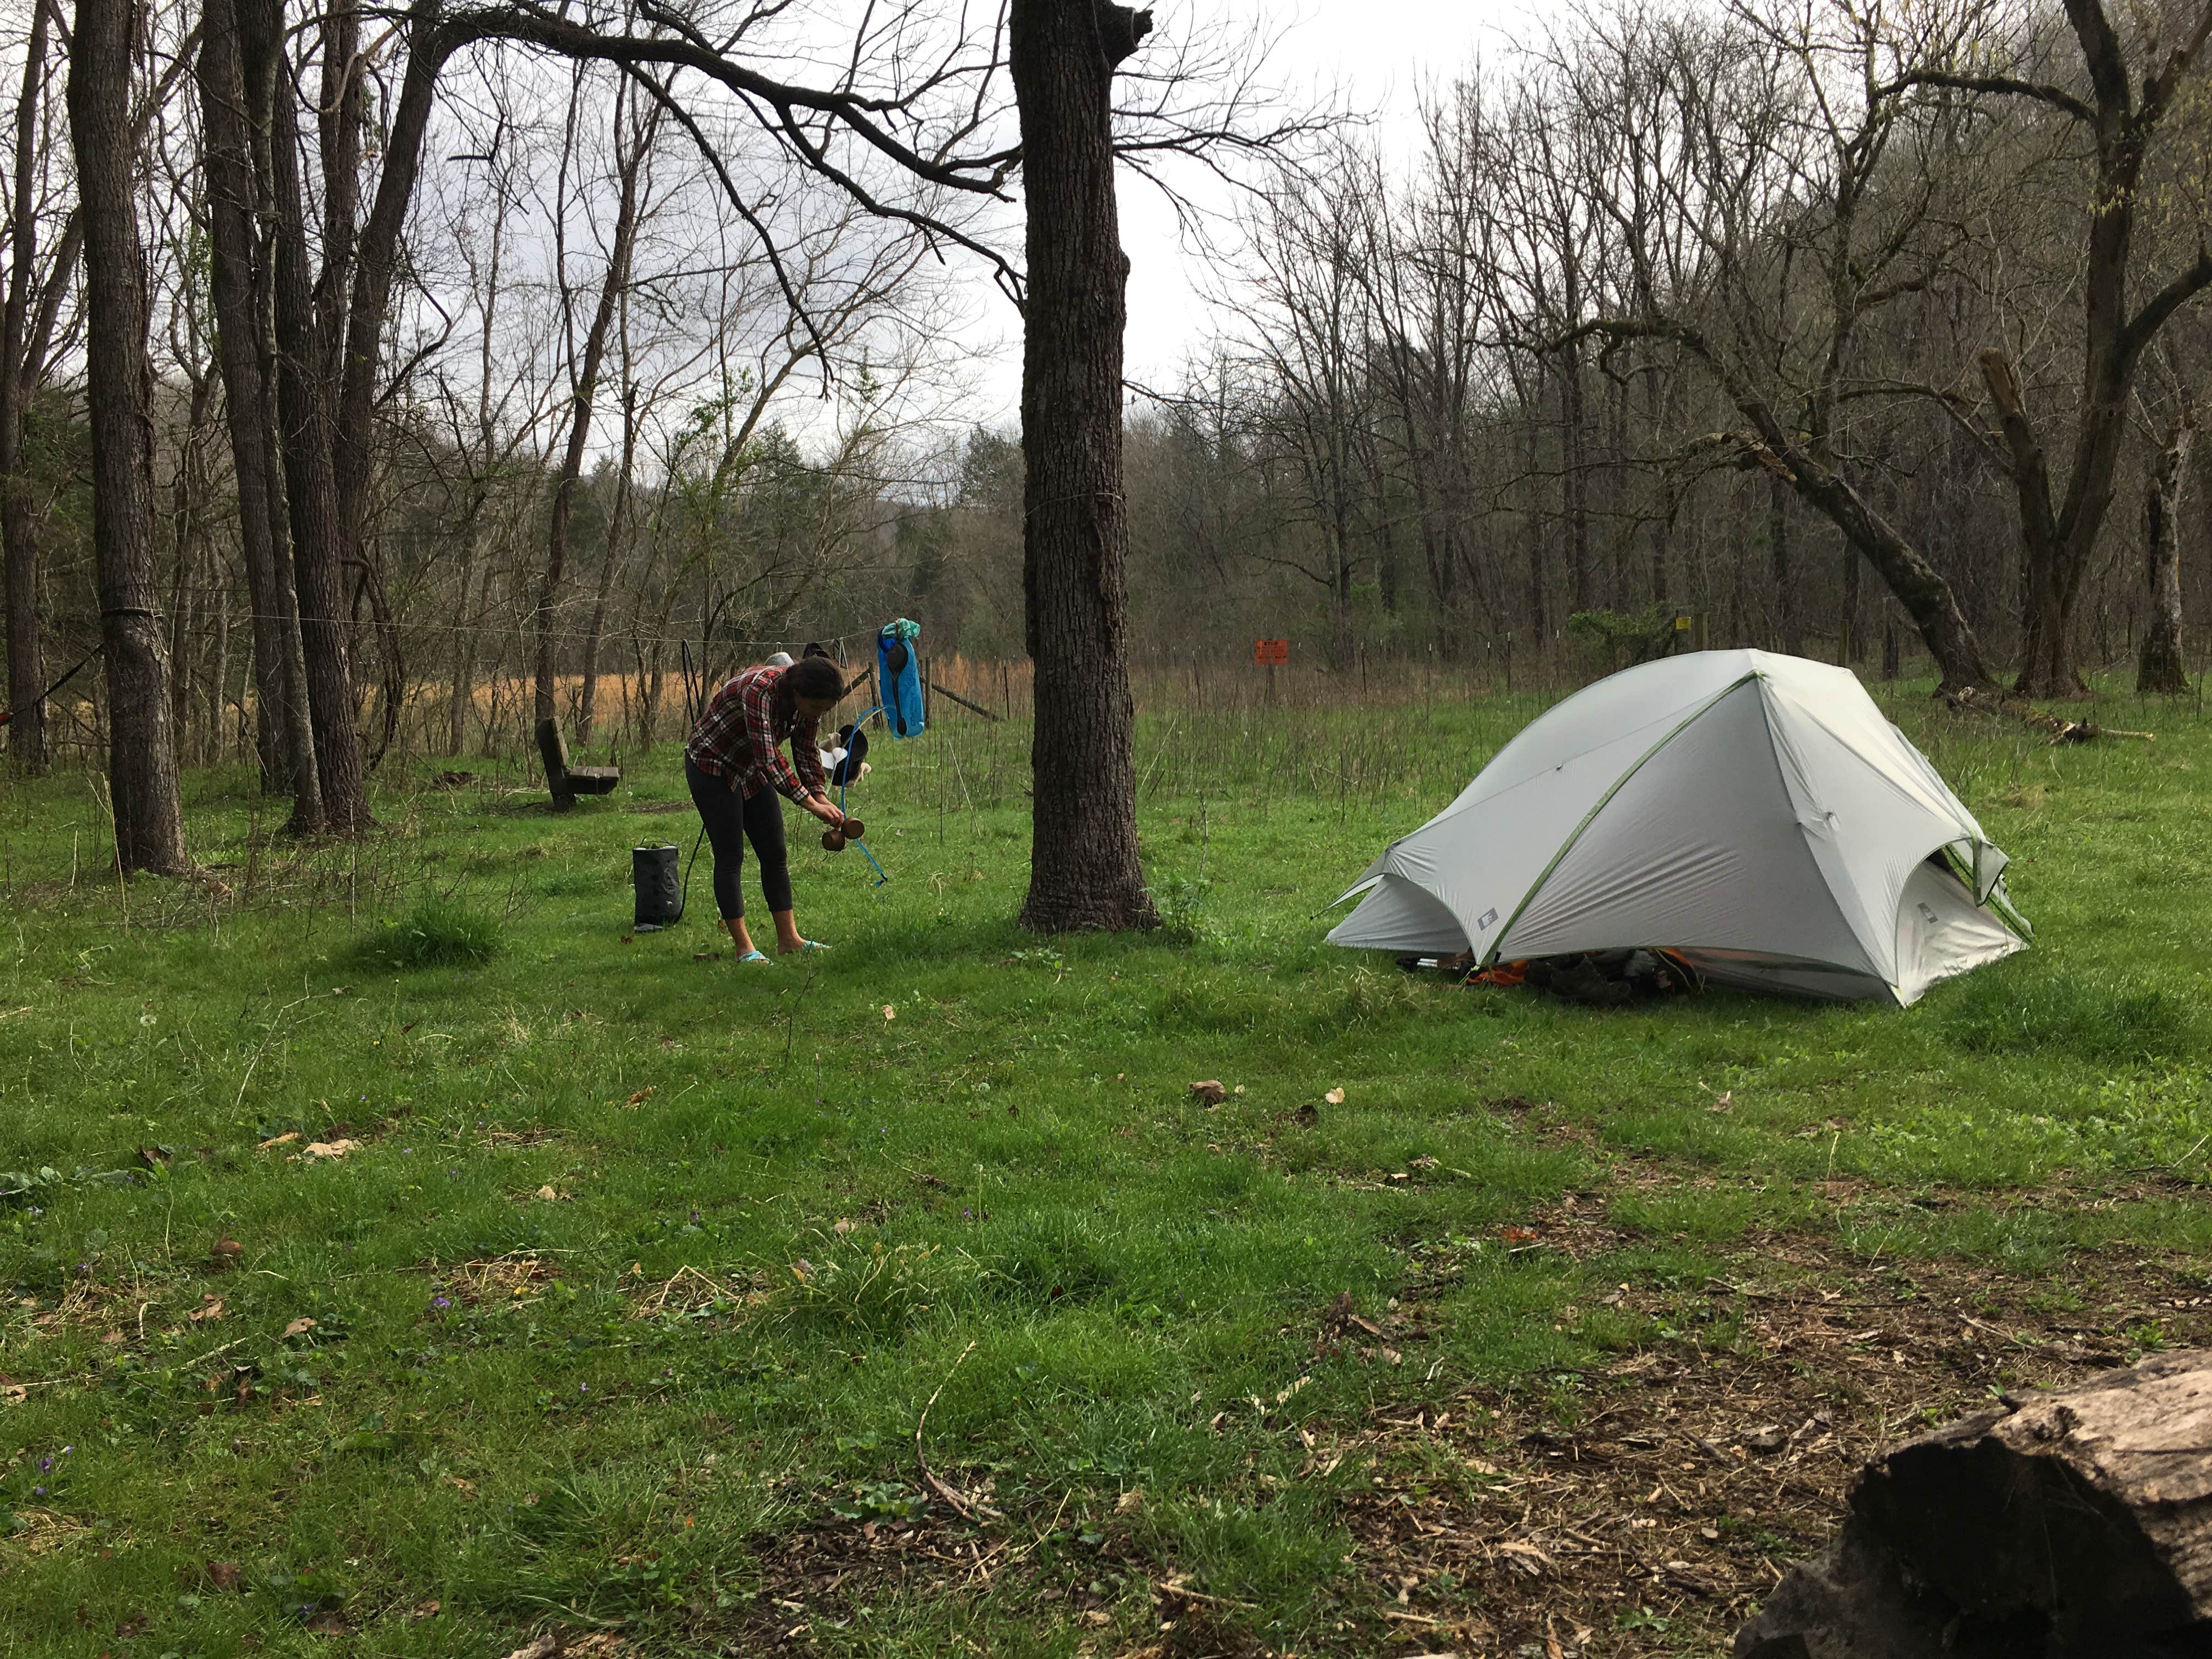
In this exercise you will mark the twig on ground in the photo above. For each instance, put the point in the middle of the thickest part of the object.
(968, 1508)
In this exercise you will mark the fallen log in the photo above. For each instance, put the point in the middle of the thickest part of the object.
(2070, 1525)
(1970, 700)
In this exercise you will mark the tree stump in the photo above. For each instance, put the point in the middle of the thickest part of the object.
(2072, 1523)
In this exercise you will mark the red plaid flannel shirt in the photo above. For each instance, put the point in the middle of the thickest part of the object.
(737, 739)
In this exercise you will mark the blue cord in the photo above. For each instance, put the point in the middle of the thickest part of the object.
(882, 874)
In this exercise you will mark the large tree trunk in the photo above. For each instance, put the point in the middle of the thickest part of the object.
(230, 108)
(119, 386)
(617, 541)
(2070, 1525)
(306, 380)
(2161, 667)
(19, 521)
(580, 419)
(1084, 868)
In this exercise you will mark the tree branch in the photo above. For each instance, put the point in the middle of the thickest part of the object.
(2183, 287)
(2003, 85)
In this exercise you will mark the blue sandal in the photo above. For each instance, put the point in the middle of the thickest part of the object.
(806, 944)
(751, 957)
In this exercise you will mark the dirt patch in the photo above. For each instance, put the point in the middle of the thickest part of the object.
(495, 1280)
(691, 1294)
(41, 1532)
(1646, 1507)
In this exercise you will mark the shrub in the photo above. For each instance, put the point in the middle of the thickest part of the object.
(437, 932)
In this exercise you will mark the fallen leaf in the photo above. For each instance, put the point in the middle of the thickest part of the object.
(1129, 1503)
(1210, 1091)
(329, 1148)
(112, 1337)
(298, 1326)
(1334, 1097)
(1528, 1552)
(643, 1095)
(844, 1226)
(284, 1139)
(466, 1488)
(424, 1610)
(1097, 1616)
(209, 1308)
(226, 1252)
(542, 1646)
(890, 1013)
(548, 1193)
(1723, 1103)
(226, 1575)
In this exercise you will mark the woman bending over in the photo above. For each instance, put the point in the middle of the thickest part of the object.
(735, 766)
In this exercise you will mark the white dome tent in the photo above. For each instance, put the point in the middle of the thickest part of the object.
(1754, 814)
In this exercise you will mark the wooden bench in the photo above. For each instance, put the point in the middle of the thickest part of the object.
(567, 782)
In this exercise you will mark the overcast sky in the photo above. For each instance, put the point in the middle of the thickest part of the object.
(1380, 53)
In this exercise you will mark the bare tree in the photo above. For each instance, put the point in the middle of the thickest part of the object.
(2162, 666)
(26, 332)
(142, 749)
(231, 110)
(2131, 91)
(1084, 868)
(630, 151)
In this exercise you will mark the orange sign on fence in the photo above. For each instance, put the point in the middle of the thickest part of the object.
(1271, 654)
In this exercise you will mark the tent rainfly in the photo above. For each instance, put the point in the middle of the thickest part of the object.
(1755, 814)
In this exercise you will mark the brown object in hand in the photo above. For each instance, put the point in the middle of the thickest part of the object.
(854, 829)
(832, 842)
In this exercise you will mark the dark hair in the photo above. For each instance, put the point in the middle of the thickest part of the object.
(817, 678)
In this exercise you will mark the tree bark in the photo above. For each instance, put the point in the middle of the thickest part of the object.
(19, 521)
(617, 541)
(2161, 667)
(580, 419)
(1084, 872)
(230, 109)
(119, 375)
(305, 382)
(2071, 1525)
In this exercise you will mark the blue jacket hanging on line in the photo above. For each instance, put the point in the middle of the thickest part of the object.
(898, 676)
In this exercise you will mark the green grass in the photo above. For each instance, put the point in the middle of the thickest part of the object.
(947, 1167)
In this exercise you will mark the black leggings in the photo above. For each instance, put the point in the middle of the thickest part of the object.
(732, 820)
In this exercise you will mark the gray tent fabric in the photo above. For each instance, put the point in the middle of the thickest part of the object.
(1755, 813)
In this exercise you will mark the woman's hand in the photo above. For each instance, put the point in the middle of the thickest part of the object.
(822, 807)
